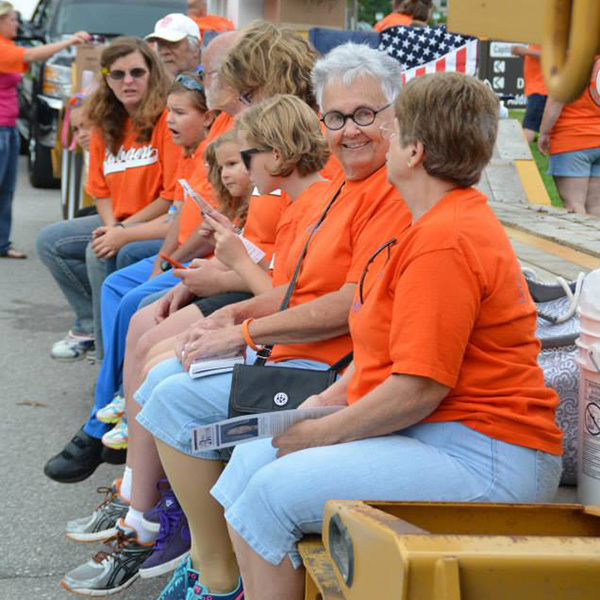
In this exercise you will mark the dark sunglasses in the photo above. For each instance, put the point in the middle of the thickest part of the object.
(119, 75)
(247, 156)
(189, 83)
(388, 245)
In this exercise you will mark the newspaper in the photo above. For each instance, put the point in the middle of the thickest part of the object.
(252, 427)
(204, 206)
(254, 252)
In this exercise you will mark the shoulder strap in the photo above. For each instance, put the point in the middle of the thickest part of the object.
(343, 362)
(265, 352)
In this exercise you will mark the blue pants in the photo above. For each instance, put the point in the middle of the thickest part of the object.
(122, 292)
(9, 157)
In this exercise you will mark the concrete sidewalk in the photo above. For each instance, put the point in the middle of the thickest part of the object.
(43, 404)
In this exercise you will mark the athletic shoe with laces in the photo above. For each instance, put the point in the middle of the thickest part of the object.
(199, 592)
(118, 437)
(113, 411)
(183, 578)
(73, 347)
(151, 518)
(102, 524)
(171, 546)
(112, 569)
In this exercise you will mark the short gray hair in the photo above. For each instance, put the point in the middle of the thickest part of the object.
(194, 43)
(349, 61)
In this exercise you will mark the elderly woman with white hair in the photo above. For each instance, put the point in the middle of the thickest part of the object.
(445, 400)
(355, 87)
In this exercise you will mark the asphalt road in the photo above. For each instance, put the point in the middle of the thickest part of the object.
(43, 403)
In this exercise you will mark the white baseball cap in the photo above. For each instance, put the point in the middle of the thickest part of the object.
(174, 28)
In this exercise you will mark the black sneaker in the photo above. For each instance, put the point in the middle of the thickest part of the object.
(112, 569)
(77, 461)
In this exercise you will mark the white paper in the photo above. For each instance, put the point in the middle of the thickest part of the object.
(252, 427)
(204, 206)
(254, 252)
(213, 366)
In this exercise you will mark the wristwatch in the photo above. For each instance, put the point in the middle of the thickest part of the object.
(164, 265)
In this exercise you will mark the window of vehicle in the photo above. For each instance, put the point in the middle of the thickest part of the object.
(112, 17)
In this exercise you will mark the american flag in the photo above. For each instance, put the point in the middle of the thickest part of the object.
(423, 50)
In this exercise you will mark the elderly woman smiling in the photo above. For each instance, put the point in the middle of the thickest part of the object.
(445, 401)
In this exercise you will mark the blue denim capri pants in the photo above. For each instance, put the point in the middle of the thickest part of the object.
(173, 404)
(272, 502)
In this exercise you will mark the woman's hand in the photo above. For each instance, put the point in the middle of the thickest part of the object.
(299, 436)
(177, 298)
(203, 280)
(544, 143)
(107, 241)
(207, 229)
(229, 248)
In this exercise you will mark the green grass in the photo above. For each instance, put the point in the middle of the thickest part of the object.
(541, 161)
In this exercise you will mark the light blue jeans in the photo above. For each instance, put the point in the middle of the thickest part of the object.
(9, 157)
(272, 502)
(173, 404)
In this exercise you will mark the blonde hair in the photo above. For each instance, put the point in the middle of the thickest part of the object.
(109, 115)
(5, 9)
(235, 209)
(455, 117)
(271, 60)
(288, 125)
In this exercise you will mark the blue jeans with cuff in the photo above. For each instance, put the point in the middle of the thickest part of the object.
(9, 159)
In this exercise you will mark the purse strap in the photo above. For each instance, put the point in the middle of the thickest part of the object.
(265, 352)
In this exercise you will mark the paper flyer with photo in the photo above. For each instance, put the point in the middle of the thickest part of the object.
(252, 427)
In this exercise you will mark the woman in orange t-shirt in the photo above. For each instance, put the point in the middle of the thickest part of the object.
(570, 134)
(444, 401)
(14, 61)
(132, 168)
(406, 12)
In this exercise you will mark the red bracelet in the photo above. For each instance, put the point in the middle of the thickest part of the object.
(247, 337)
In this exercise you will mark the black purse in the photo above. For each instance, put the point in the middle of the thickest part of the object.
(256, 388)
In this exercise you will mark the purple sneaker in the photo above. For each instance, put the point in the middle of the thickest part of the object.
(167, 502)
(172, 544)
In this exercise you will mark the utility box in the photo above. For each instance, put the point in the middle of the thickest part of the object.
(304, 14)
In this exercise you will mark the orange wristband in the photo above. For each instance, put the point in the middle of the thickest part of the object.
(247, 338)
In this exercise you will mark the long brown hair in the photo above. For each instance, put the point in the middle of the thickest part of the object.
(235, 209)
(109, 115)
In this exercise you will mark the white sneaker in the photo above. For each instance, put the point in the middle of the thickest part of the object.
(113, 411)
(118, 437)
(73, 347)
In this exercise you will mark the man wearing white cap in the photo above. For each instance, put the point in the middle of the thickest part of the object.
(177, 38)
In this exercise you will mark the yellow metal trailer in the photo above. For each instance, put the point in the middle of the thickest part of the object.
(438, 551)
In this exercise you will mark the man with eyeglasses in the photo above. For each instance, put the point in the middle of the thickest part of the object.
(178, 43)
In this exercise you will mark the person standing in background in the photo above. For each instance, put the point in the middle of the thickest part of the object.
(14, 61)
(198, 10)
(535, 89)
(405, 12)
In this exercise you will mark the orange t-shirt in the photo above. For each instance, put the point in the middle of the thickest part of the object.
(264, 214)
(578, 126)
(392, 20)
(11, 57)
(338, 251)
(138, 174)
(197, 177)
(213, 23)
(450, 303)
(532, 73)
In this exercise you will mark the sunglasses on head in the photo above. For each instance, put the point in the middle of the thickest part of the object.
(119, 74)
(189, 83)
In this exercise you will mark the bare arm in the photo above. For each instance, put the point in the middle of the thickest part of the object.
(45, 51)
(397, 403)
(105, 210)
(551, 114)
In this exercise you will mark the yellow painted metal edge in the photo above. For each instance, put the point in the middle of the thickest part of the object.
(564, 252)
(532, 182)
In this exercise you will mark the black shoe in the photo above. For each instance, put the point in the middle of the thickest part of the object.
(113, 457)
(77, 461)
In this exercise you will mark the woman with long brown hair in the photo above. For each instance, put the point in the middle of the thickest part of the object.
(132, 171)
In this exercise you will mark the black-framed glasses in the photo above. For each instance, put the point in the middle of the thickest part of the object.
(363, 116)
(246, 97)
(189, 83)
(247, 156)
(119, 74)
(388, 245)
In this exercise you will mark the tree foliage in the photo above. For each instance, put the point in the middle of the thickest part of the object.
(368, 8)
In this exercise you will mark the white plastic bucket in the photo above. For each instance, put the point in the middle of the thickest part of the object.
(589, 434)
(587, 337)
(590, 323)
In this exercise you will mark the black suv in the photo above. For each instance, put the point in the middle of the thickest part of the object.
(48, 84)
